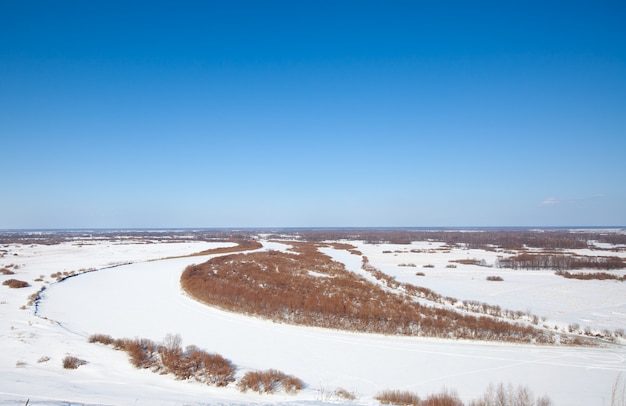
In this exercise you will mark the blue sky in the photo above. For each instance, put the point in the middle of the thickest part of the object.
(312, 114)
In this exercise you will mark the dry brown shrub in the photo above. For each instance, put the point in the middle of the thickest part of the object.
(495, 278)
(269, 381)
(6, 271)
(101, 338)
(71, 362)
(142, 353)
(444, 398)
(212, 369)
(398, 397)
(172, 354)
(15, 283)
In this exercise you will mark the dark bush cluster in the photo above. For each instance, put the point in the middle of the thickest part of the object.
(560, 262)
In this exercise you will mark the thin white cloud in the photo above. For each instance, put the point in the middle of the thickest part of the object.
(551, 201)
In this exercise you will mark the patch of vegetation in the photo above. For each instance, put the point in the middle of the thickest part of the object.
(495, 278)
(591, 276)
(279, 286)
(15, 283)
(500, 395)
(560, 262)
(473, 261)
(398, 397)
(169, 357)
(509, 395)
(270, 381)
(71, 362)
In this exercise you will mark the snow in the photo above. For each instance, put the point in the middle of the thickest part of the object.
(140, 297)
(594, 303)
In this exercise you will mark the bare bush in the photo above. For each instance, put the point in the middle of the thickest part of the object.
(6, 271)
(71, 362)
(502, 395)
(618, 392)
(171, 354)
(398, 397)
(15, 283)
(142, 353)
(495, 278)
(270, 381)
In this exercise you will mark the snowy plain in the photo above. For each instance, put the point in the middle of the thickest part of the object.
(136, 293)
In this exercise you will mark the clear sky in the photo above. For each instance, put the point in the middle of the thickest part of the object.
(312, 113)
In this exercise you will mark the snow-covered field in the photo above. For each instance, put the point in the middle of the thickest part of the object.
(137, 294)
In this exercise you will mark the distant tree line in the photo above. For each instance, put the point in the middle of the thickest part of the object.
(558, 262)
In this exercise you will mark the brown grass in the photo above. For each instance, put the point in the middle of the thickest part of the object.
(15, 283)
(6, 271)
